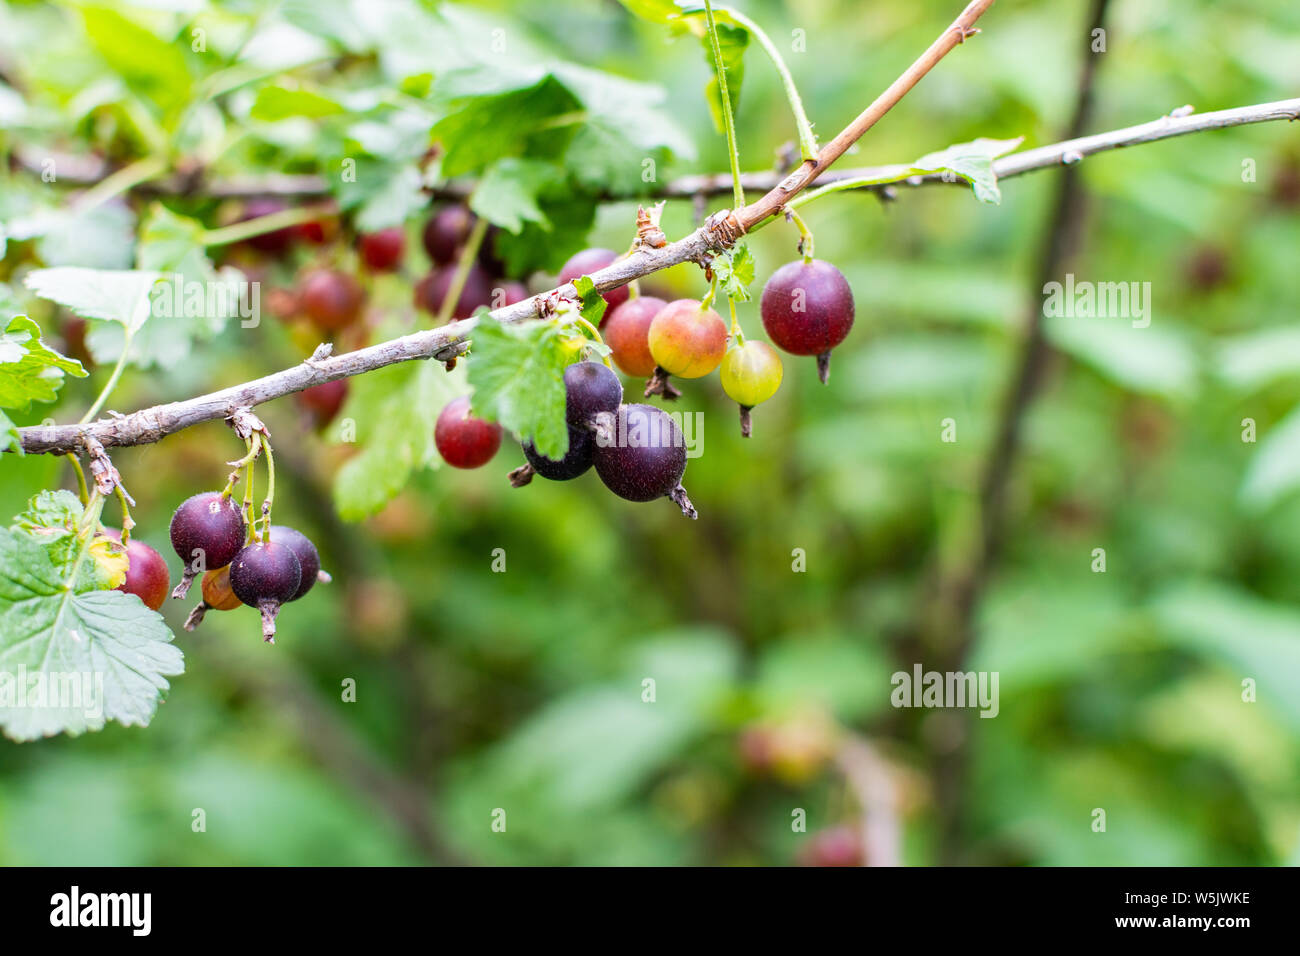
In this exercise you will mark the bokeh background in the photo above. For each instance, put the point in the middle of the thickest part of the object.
(522, 690)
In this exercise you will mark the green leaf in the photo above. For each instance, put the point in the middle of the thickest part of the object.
(735, 271)
(1274, 469)
(972, 162)
(29, 369)
(152, 67)
(593, 303)
(102, 238)
(535, 247)
(10, 440)
(517, 372)
(1149, 360)
(99, 655)
(508, 192)
(115, 295)
(394, 410)
(1257, 358)
(51, 520)
(383, 194)
(733, 40)
(278, 102)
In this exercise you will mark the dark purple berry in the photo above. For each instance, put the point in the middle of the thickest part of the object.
(207, 530)
(475, 293)
(576, 461)
(308, 556)
(446, 231)
(590, 388)
(642, 456)
(265, 576)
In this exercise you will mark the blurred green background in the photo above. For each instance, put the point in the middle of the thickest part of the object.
(523, 690)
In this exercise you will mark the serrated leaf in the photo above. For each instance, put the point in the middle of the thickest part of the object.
(115, 295)
(29, 369)
(394, 410)
(972, 162)
(735, 271)
(110, 647)
(151, 66)
(593, 303)
(508, 192)
(517, 372)
(51, 520)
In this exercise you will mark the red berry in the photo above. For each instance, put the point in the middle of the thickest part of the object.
(446, 231)
(318, 231)
(207, 530)
(331, 299)
(463, 440)
(808, 309)
(382, 251)
(265, 575)
(626, 330)
(586, 262)
(322, 402)
(475, 294)
(687, 340)
(146, 572)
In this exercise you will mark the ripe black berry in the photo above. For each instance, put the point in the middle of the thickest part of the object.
(308, 556)
(576, 461)
(589, 389)
(207, 530)
(475, 293)
(265, 576)
(807, 309)
(643, 456)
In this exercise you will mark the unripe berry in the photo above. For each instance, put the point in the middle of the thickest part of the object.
(626, 331)
(751, 374)
(382, 251)
(216, 590)
(331, 299)
(265, 575)
(586, 262)
(206, 526)
(463, 440)
(807, 309)
(687, 340)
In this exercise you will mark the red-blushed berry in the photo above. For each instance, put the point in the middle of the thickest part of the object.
(332, 300)
(266, 575)
(207, 530)
(586, 262)
(318, 232)
(322, 402)
(687, 340)
(308, 556)
(751, 373)
(382, 251)
(642, 456)
(463, 440)
(835, 846)
(446, 231)
(147, 576)
(626, 331)
(474, 294)
(807, 309)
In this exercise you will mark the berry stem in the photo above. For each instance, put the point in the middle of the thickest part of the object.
(239, 231)
(270, 493)
(82, 492)
(807, 139)
(737, 335)
(805, 234)
(124, 180)
(85, 532)
(728, 121)
(127, 521)
(468, 253)
(112, 381)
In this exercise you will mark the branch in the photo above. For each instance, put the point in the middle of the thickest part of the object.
(719, 232)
